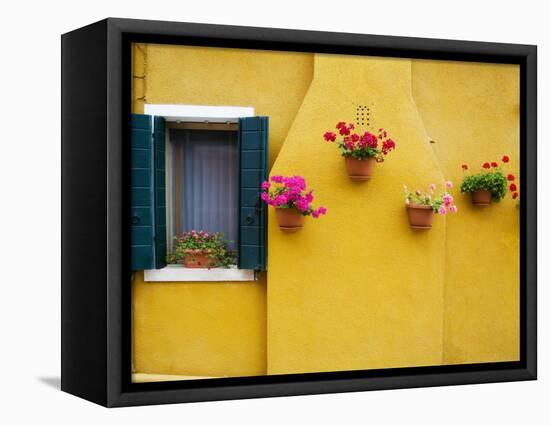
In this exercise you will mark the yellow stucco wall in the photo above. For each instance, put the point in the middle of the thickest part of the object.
(211, 329)
(356, 289)
(199, 329)
(471, 110)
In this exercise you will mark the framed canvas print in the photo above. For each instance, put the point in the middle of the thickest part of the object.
(252, 212)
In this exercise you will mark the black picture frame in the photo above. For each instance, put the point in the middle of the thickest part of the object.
(96, 332)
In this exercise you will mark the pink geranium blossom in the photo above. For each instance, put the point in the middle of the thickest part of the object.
(290, 192)
(442, 203)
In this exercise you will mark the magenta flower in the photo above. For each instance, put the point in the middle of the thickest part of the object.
(330, 136)
(442, 210)
(302, 204)
(289, 192)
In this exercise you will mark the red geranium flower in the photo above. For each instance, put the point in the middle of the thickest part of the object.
(515, 195)
(486, 165)
(513, 187)
(329, 136)
(341, 124)
(505, 159)
(344, 131)
(494, 164)
(464, 167)
(387, 146)
(511, 177)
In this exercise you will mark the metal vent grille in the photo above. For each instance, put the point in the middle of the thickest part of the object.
(363, 115)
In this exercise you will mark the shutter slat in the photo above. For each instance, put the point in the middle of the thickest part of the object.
(253, 148)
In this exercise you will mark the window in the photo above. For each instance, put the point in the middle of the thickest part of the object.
(203, 179)
(188, 175)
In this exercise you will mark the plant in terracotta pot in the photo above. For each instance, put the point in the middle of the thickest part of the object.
(292, 201)
(360, 151)
(201, 250)
(489, 184)
(422, 205)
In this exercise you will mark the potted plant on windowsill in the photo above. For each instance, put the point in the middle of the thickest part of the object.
(201, 250)
(292, 201)
(360, 151)
(490, 184)
(421, 206)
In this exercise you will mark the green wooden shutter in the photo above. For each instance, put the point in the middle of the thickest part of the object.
(160, 193)
(142, 194)
(253, 150)
(147, 199)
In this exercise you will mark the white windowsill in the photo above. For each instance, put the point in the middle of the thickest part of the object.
(178, 273)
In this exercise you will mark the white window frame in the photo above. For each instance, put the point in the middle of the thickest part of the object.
(198, 113)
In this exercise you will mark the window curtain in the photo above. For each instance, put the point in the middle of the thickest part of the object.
(204, 179)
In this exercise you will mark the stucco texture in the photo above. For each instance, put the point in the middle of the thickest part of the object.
(357, 288)
(471, 110)
(211, 329)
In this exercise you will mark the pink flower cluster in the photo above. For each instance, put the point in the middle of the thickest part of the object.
(361, 146)
(447, 205)
(195, 234)
(441, 204)
(290, 192)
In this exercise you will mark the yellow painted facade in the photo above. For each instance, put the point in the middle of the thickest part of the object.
(355, 289)
(471, 110)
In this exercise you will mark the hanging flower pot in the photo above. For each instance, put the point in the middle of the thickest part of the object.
(481, 197)
(360, 169)
(290, 220)
(490, 184)
(421, 206)
(291, 200)
(360, 151)
(420, 217)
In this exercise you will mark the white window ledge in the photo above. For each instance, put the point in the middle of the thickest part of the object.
(178, 273)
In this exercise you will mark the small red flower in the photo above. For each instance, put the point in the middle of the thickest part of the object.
(354, 137)
(344, 131)
(341, 124)
(329, 136)
(494, 164)
(505, 159)
(513, 187)
(387, 146)
(511, 177)
(486, 165)
(515, 195)
(464, 167)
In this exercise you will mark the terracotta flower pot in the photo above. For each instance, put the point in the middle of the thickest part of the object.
(420, 217)
(481, 197)
(360, 170)
(290, 220)
(197, 259)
